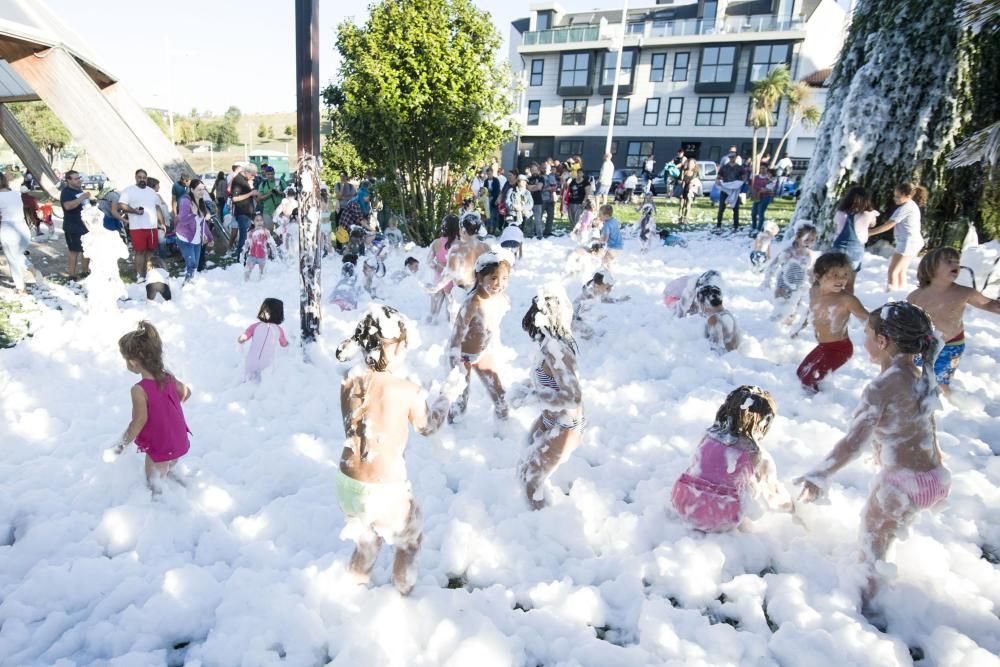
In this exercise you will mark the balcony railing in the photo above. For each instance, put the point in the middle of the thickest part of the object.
(568, 35)
(659, 29)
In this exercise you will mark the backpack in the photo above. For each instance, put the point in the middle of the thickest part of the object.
(672, 170)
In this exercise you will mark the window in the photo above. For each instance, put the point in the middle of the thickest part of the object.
(543, 21)
(636, 28)
(637, 152)
(711, 111)
(767, 57)
(574, 112)
(675, 107)
(575, 70)
(717, 64)
(614, 147)
(652, 115)
(715, 154)
(537, 69)
(681, 61)
(608, 72)
(657, 64)
(574, 147)
(774, 112)
(621, 113)
(534, 108)
(711, 10)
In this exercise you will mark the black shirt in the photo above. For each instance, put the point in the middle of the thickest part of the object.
(72, 219)
(240, 186)
(536, 197)
(577, 191)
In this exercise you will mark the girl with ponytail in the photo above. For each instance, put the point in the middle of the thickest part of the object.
(897, 414)
(378, 406)
(905, 220)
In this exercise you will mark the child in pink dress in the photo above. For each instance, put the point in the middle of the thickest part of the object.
(731, 476)
(158, 426)
(264, 335)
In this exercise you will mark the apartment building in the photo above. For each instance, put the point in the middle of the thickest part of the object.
(687, 69)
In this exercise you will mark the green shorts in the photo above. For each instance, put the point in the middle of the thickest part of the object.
(370, 501)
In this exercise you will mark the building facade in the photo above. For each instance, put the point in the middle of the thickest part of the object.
(686, 72)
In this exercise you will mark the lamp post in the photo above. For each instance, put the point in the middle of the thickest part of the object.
(614, 88)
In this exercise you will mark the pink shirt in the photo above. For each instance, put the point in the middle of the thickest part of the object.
(258, 243)
(862, 223)
(164, 437)
(264, 338)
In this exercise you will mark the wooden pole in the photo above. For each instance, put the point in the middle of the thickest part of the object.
(307, 176)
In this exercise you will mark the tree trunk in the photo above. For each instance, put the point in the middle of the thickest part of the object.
(310, 293)
(784, 137)
(753, 154)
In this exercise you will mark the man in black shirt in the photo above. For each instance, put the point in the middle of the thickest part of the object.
(535, 184)
(244, 202)
(72, 199)
(492, 185)
(579, 190)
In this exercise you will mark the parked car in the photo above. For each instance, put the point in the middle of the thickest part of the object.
(208, 178)
(93, 181)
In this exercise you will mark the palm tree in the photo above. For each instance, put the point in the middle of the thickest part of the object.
(984, 145)
(763, 99)
(799, 111)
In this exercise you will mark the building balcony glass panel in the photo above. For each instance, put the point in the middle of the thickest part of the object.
(567, 35)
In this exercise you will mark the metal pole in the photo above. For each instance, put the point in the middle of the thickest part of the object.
(307, 75)
(614, 88)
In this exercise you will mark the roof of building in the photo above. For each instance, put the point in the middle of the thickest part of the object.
(818, 78)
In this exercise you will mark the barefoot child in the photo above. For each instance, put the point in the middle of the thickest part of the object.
(897, 413)
(905, 223)
(477, 326)
(437, 258)
(555, 384)
(378, 406)
(264, 335)
(945, 303)
(790, 272)
(158, 426)
(597, 289)
(731, 477)
(345, 293)
(830, 308)
(255, 251)
(761, 253)
(647, 222)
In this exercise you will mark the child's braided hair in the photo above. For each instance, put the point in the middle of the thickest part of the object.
(747, 411)
(911, 329)
(145, 347)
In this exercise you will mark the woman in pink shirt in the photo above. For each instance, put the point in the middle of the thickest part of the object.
(264, 335)
(730, 476)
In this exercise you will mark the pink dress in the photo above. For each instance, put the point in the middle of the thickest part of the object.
(707, 496)
(264, 338)
(441, 256)
(164, 437)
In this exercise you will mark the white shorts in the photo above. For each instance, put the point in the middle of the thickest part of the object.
(909, 246)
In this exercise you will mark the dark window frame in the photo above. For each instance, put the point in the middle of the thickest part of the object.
(687, 66)
(607, 64)
(678, 114)
(574, 88)
(635, 160)
(774, 112)
(656, 114)
(770, 62)
(540, 73)
(572, 146)
(575, 111)
(662, 68)
(621, 117)
(712, 112)
(537, 112)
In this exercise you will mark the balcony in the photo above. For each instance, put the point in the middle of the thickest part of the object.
(567, 35)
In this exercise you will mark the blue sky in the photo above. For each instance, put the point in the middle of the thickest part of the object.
(222, 53)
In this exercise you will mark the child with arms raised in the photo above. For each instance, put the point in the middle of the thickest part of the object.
(731, 477)
(264, 335)
(158, 426)
(378, 407)
(897, 413)
(830, 307)
(556, 384)
(945, 303)
(477, 326)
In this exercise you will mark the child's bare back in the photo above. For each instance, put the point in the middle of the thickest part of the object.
(480, 318)
(462, 260)
(946, 305)
(830, 313)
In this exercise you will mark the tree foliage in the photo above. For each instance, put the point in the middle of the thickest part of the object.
(261, 130)
(233, 114)
(421, 97)
(42, 127)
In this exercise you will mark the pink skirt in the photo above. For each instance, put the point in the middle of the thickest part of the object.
(706, 506)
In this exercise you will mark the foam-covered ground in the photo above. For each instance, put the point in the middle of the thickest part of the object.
(246, 567)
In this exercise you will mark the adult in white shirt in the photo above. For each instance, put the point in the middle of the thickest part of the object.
(784, 169)
(141, 203)
(648, 166)
(604, 180)
(14, 233)
(477, 183)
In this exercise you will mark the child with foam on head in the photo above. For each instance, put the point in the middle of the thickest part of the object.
(555, 384)
(647, 222)
(790, 273)
(679, 294)
(597, 289)
(477, 330)
(897, 413)
(158, 426)
(157, 279)
(583, 261)
(255, 250)
(721, 329)
(731, 477)
(373, 267)
(264, 335)
(411, 267)
(830, 309)
(345, 293)
(760, 255)
(945, 303)
(378, 406)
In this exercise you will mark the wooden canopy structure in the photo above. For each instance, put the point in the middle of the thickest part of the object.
(43, 59)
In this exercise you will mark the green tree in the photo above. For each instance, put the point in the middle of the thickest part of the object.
(42, 127)
(422, 96)
(289, 131)
(184, 131)
(222, 133)
(157, 118)
(764, 98)
(233, 115)
(270, 132)
(261, 130)
(800, 111)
